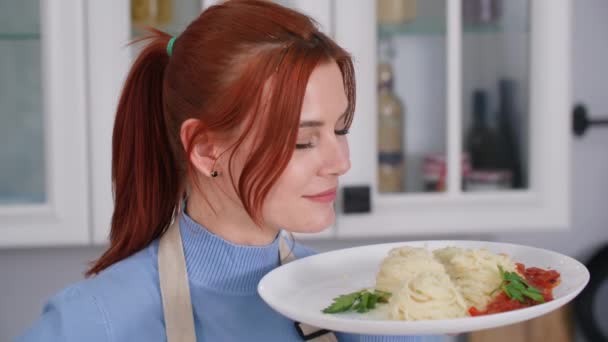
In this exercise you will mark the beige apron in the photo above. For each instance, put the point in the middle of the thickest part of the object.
(175, 290)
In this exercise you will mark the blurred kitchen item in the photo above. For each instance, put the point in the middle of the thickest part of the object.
(479, 12)
(554, 327)
(491, 146)
(435, 171)
(481, 139)
(390, 133)
(151, 12)
(488, 180)
(509, 132)
(591, 306)
(395, 12)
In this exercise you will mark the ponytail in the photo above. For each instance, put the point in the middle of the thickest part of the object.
(145, 173)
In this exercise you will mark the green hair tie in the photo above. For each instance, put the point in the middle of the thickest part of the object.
(170, 45)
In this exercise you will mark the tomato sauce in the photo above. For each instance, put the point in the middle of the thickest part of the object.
(543, 280)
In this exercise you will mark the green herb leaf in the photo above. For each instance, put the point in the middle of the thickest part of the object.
(364, 301)
(360, 301)
(534, 295)
(515, 287)
(342, 303)
(372, 302)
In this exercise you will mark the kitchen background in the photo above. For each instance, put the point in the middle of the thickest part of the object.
(29, 275)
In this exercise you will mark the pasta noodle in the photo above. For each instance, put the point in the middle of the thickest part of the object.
(474, 272)
(439, 285)
(403, 263)
(427, 295)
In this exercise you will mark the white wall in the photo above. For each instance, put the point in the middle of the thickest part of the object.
(29, 276)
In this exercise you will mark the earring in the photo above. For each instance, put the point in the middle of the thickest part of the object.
(214, 173)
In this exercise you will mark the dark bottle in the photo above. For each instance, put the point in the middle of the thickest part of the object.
(508, 130)
(480, 12)
(481, 140)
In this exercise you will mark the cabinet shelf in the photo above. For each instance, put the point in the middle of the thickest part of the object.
(11, 37)
(432, 28)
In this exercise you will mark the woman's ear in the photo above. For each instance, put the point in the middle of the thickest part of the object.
(205, 150)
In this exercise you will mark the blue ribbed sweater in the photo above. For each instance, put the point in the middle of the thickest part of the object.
(123, 302)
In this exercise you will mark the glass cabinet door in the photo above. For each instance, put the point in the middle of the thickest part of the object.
(462, 116)
(43, 180)
(411, 95)
(22, 153)
(495, 88)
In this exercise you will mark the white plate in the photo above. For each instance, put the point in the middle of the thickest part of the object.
(302, 288)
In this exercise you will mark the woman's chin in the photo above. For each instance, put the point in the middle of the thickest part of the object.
(322, 223)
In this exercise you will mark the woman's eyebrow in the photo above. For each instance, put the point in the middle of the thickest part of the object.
(312, 123)
(317, 123)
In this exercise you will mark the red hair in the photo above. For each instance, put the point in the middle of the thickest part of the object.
(217, 73)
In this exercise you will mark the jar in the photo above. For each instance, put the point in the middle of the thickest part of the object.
(488, 180)
(435, 171)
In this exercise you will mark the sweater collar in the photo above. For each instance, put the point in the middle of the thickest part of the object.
(221, 265)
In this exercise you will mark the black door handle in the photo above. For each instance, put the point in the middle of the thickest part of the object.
(581, 121)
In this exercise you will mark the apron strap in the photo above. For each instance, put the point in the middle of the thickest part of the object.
(174, 287)
(307, 332)
(175, 290)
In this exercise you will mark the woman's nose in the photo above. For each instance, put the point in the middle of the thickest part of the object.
(337, 161)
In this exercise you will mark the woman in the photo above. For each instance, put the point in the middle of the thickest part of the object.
(236, 130)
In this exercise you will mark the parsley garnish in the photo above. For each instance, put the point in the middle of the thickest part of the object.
(515, 287)
(360, 301)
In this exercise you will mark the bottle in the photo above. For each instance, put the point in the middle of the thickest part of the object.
(157, 13)
(481, 140)
(395, 12)
(390, 134)
(489, 150)
(164, 14)
(141, 12)
(508, 128)
(480, 12)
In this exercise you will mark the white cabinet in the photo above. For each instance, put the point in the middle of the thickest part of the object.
(442, 54)
(44, 154)
(63, 67)
(108, 63)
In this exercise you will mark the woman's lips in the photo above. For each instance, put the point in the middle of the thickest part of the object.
(326, 196)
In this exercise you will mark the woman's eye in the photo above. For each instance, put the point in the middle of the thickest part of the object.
(311, 144)
(342, 131)
(308, 141)
(304, 146)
